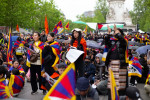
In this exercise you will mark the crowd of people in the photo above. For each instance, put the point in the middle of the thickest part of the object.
(38, 55)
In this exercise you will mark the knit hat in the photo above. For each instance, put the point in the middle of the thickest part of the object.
(82, 84)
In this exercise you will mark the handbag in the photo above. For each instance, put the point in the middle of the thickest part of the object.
(34, 57)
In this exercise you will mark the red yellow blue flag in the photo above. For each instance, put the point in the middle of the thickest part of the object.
(67, 26)
(16, 83)
(85, 30)
(4, 90)
(126, 52)
(64, 88)
(9, 50)
(28, 57)
(114, 91)
(58, 28)
(135, 68)
(105, 53)
(56, 51)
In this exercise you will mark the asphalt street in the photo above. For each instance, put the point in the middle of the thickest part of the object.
(25, 94)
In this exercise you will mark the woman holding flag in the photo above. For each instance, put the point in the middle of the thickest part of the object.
(51, 54)
(37, 47)
(116, 58)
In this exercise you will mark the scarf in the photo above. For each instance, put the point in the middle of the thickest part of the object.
(83, 43)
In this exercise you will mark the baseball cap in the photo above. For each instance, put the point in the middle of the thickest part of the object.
(82, 84)
(133, 93)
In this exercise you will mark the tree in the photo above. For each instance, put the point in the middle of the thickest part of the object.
(100, 13)
(101, 6)
(29, 13)
(141, 14)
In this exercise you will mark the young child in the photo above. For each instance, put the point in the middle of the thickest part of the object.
(22, 63)
(17, 66)
(16, 82)
(50, 80)
(4, 90)
(61, 68)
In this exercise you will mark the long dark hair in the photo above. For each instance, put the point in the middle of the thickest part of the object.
(73, 38)
(38, 35)
(52, 34)
(121, 31)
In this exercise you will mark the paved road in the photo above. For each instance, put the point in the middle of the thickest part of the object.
(26, 94)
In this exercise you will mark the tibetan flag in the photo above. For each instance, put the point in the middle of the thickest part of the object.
(64, 88)
(67, 26)
(19, 46)
(114, 92)
(148, 79)
(85, 30)
(17, 43)
(21, 70)
(126, 52)
(46, 25)
(16, 83)
(105, 53)
(56, 51)
(135, 68)
(17, 28)
(58, 28)
(9, 50)
(113, 39)
(4, 90)
(28, 57)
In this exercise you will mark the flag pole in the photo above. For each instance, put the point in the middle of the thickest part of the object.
(111, 85)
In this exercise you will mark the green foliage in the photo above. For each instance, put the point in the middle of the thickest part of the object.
(102, 7)
(29, 13)
(141, 14)
(100, 13)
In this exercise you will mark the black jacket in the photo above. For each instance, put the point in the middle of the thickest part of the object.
(49, 59)
(119, 52)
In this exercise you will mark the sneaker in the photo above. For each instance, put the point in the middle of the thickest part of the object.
(44, 92)
(34, 92)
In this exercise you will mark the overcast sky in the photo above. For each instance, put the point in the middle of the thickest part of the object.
(72, 8)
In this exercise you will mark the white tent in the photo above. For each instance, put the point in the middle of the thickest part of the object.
(141, 31)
